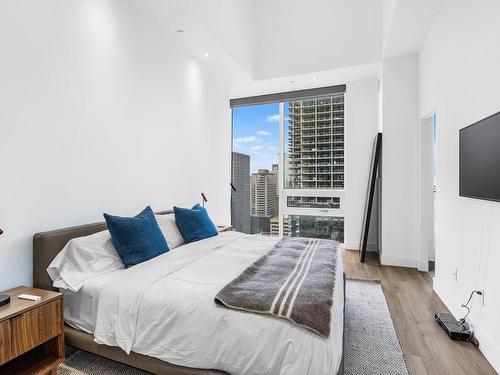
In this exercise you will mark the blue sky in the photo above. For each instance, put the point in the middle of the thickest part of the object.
(256, 133)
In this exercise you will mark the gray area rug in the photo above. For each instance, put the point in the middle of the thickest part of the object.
(83, 363)
(371, 344)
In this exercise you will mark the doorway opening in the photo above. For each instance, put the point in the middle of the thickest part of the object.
(427, 193)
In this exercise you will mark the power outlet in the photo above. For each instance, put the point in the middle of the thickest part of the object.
(455, 275)
(482, 297)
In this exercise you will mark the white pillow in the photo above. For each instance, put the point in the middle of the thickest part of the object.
(83, 258)
(170, 231)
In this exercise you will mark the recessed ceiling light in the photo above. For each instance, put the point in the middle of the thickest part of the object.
(292, 81)
(205, 54)
(314, 78)
(180, 30)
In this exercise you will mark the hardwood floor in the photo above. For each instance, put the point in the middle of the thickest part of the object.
(412, 303)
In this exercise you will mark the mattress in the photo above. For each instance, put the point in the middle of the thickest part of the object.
(165, 308)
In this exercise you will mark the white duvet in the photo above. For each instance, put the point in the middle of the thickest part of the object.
(165, 308)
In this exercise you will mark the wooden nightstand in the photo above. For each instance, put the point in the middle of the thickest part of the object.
(224, 228)
(31, 333)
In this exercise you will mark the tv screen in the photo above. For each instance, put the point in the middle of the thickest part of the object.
(480, 159)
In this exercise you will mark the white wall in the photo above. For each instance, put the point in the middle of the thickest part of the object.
(460, 79)
(101, 112)
(399, 161)
(361, 129)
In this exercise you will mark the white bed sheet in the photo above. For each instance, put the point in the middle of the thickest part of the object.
(164, 308)
(80, 308)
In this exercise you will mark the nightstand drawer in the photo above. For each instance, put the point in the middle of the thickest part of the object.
(24, 332)
(4, 342)
(34, 327)
(49, 318)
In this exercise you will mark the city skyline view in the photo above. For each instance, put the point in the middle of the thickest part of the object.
(256, 133)
(312, 159)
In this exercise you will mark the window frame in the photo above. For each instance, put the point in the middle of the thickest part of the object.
(284, 193)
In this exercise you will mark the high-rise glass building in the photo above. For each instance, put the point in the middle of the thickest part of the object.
(240, 199)
(316, 143)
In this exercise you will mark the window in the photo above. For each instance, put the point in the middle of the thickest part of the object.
(288, 165)
(314, 138)
(255, 160)
(313, 202)
(314, 226)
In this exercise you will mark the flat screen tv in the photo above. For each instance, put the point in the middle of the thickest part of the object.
(480, 159)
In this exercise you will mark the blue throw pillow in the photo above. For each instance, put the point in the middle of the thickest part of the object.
(194, 224)
(138, 238)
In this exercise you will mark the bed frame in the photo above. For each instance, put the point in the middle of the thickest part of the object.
(46, 245)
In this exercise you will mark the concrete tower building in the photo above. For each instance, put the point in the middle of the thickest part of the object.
(263, 199)
(316, 143)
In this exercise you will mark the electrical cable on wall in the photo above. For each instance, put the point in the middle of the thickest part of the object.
(464, 326)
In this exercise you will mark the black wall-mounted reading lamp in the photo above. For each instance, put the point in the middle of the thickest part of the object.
(4, 298)
(204, 197)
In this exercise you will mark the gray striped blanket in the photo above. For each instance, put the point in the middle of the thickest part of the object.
(294, 281)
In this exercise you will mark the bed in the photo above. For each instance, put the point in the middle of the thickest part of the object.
(160, 316)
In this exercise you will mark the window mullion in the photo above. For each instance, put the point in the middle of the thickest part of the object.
(281, 166)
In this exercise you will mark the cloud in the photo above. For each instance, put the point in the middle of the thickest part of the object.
(244, 139)
(238, 146)
(271, 148)
(263, 132)
(254, 148)
(273, 118)
(276, 118)
(238, 142)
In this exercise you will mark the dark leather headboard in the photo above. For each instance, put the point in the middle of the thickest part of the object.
(46, 245)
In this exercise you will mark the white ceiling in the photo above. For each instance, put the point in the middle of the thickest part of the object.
(298, 36)
(221, 28)
(276, 38)
(406, 24)
(275, 41)
(306, 80)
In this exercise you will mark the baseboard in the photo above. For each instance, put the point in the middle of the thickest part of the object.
(355, 245)
(445, 295)
(490, 350)
(423, 265)
(399, 261)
